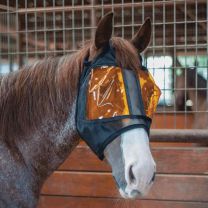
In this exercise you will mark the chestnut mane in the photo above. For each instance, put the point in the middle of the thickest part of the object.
(48, 88)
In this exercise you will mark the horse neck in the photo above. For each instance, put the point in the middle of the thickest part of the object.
(44, 142)
(46, 148)
(57, 135)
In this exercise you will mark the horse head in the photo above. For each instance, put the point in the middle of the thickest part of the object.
(129, 155)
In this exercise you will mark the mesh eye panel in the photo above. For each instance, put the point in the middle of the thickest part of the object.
(150, 92)
(106, 96)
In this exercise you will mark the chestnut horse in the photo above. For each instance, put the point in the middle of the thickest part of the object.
(37, 122)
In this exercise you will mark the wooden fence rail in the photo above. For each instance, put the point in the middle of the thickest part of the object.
(179, 135)
(181, 182)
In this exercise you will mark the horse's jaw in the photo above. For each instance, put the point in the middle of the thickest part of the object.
(133, 166)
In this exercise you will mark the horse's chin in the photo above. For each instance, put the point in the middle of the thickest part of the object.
(131, 195)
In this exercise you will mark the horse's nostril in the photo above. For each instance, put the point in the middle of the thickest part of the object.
(131, 175)
(153, 177)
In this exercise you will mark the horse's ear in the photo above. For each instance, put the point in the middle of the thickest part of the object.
(104, 30)
(142, 38)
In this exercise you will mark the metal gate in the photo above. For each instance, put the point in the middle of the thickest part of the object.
(177, 55)
(178, 59)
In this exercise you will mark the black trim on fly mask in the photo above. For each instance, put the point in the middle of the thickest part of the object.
(98, 133)
(144, 68)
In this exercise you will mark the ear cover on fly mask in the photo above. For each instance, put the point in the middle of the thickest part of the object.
(112, 100)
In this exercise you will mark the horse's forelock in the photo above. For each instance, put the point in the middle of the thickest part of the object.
(126, 54)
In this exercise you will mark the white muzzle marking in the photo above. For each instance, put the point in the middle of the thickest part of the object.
(140, 166)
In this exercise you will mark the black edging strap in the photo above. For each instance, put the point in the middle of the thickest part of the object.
(142, 66)
(127, 92)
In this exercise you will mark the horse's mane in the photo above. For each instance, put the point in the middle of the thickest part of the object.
(38, 90)
(48, 88)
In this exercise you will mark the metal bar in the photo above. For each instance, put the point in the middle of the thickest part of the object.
(26, 34)
(181, 47)
(8, 38)
(44, 27)
(191, 16)
(122, 19)
(179, 135)
(207, 56)
(132, 19)
(143, 10)
(64, 26)
(7, 8)
(196, 53)
(185, 50)
(1, 48)
(102, 8)
(18, 61)
(35, 28)
(54, 27)
(93, 19)
(73, 26)
(83, 26)
(12, 30)
(174, 60)
(105, 6)
(20, 42)
(113, 9)
(164, 53)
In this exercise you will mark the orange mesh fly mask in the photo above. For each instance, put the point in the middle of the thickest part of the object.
(113, 100)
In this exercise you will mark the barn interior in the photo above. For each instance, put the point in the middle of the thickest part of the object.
(31, 30)
(177, 59)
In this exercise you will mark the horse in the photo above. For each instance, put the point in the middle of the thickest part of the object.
(37, 122)
(191, 95)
